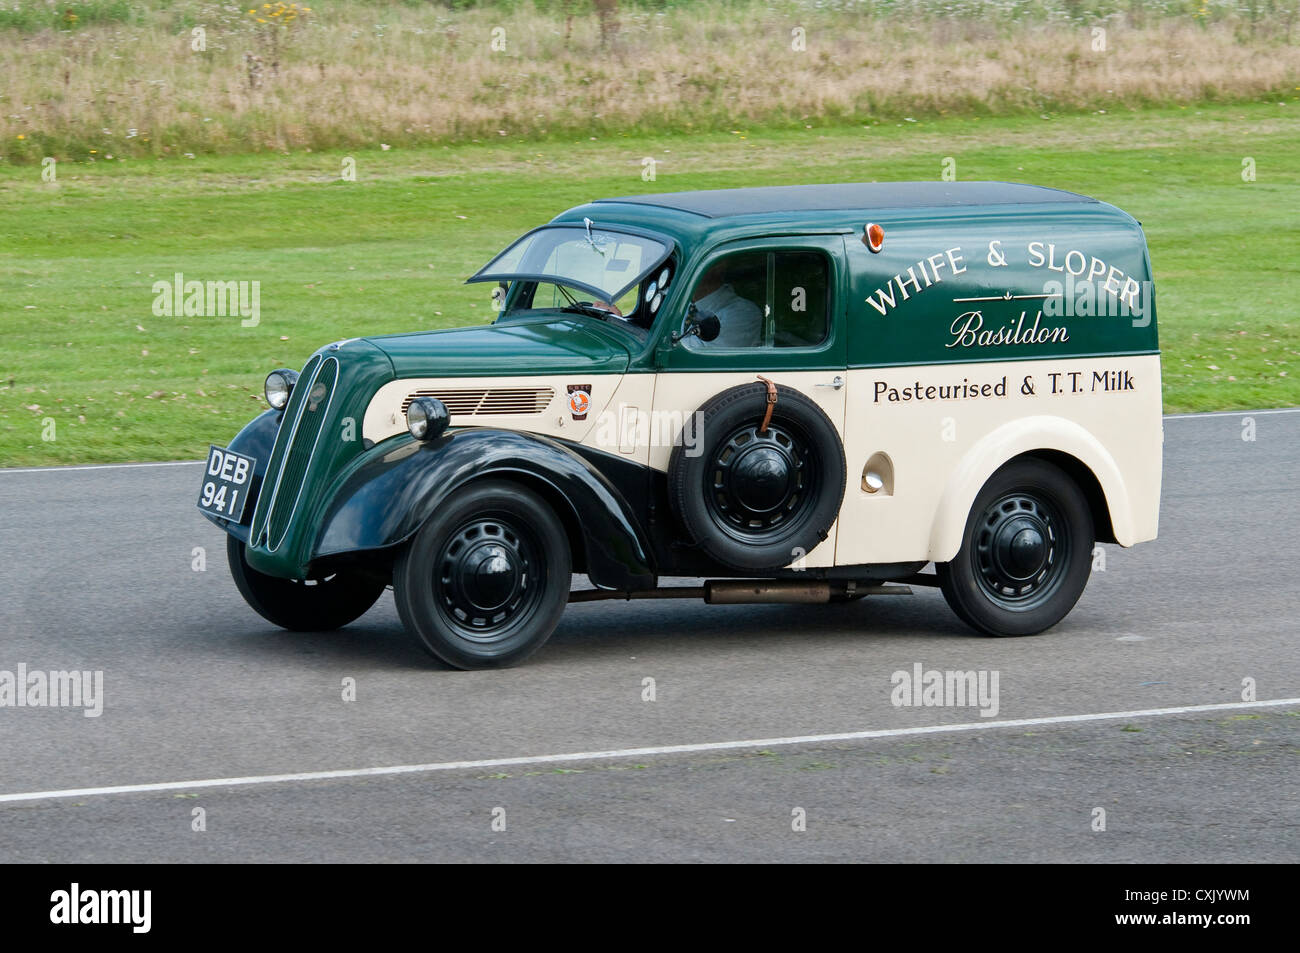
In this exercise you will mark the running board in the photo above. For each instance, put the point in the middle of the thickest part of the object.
(726, 592)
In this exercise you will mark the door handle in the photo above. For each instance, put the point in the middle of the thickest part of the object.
(837, 383)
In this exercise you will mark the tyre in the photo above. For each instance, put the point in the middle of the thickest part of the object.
(754, 499)
(484, 581)
(1026, 553)
(314, 605)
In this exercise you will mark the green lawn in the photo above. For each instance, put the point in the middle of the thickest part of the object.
(389, 251)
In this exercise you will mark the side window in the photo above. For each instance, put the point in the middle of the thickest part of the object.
(801, 299)
(766, 299)
(735, 289)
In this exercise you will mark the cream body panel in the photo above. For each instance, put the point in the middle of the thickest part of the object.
(679, 394)
(944, 451)
(384, 417)
(624, 428)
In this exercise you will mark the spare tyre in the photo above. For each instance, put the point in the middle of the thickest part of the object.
(755, 498)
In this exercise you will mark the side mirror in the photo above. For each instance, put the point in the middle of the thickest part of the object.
(709, 328)
(703, 324)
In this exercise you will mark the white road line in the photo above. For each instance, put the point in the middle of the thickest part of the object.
(104, 466)
(1236, 413)
(625, 753)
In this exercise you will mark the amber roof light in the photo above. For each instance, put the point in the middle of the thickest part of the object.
(873, 236)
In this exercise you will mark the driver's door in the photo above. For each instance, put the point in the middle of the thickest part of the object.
(781, 306)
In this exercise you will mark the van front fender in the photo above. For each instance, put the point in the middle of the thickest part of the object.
(385, 500)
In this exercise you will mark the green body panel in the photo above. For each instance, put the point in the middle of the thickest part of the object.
(551, 344)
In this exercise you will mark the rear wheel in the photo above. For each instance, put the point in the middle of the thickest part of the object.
(1026, 553)
(311, 605)
(484, 581)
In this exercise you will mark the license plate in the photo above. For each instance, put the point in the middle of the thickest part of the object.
(226, 480)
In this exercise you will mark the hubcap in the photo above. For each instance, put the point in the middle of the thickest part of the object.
(1020, 550)
(492, 576)
(488, 577)
(758, 481)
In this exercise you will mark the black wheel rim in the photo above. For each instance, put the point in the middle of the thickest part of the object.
(488, 577)
(1019, 550)
(760, 484)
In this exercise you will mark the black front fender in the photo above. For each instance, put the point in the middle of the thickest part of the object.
(388, 497)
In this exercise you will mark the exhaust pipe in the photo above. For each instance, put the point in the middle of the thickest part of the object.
(734, 592)
(730, 592)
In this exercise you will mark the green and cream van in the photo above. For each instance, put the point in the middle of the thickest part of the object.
(799, 394)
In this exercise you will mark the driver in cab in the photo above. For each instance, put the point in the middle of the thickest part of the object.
(741, 320)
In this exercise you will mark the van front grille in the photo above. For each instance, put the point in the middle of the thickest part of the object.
(484, 402)
(295, 444)
(316, 402)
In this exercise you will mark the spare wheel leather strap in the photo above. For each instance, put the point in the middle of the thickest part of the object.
(771, 404)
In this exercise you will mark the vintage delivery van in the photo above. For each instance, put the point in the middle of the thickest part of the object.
(798, 393)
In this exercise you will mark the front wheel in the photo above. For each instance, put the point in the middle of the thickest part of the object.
(303, 605)
(1026, 552)
(484, 581)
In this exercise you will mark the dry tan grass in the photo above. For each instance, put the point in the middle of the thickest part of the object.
(427, 75)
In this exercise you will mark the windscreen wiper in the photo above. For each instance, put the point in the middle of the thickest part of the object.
(589, 309)
(581, 307)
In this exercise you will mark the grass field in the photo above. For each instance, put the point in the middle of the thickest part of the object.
(388, 252)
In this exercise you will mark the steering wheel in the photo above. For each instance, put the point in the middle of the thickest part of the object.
(603, 306)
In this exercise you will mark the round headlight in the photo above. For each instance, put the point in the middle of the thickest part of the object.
(279, 385)
(427, 418)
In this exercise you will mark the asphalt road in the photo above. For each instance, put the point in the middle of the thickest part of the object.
(99, 574)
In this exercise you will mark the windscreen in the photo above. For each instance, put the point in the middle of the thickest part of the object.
(600, 260)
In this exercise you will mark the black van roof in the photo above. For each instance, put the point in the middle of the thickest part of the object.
(724, 203)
